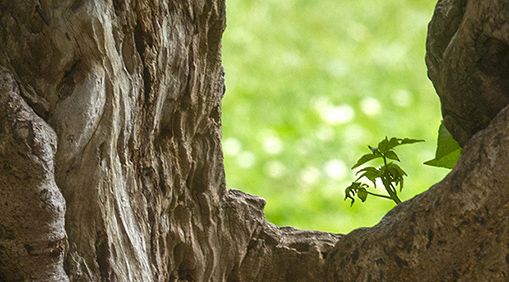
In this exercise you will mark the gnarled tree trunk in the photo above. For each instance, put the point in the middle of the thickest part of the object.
(110, 116)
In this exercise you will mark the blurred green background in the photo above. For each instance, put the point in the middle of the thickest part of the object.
(309, 85)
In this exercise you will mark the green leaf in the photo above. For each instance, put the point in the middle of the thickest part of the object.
(395, 174)
(388, 144)
(356, 188)
(362, 194)
(397, 169)
(448, 150)
(364, 159)
(446, 143)
(393, 142)
(392, 155)
(384, 145)
(448, 161)
(350, 192)
(410, 141)
(370, 173)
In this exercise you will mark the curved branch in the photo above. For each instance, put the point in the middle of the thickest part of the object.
(456, 230)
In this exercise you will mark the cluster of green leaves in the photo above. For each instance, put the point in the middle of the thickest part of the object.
(389, 173)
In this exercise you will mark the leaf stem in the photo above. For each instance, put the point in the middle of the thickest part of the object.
(395, 194)
(388, 186)
(379, 195)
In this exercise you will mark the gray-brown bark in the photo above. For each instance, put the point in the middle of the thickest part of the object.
(132, 90)
(32, 234)
(116, 107)
(468, 62)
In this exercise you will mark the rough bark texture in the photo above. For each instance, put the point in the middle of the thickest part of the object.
(468, 62)
(110, 112)
(132, 90)
(32, 234)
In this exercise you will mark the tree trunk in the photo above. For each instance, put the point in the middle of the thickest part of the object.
(110, 116)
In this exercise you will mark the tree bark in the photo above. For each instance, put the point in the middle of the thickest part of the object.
(132, 90)
(110, 115)
(468, 62)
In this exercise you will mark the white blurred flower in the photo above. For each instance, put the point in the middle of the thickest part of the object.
(275, 169)
(370, 106)
(325, 133)
(231, 146)
(272, 145)
(337, 68)
(246, 159)
(335, 169)
(357, 31)
(291, 59)
(355, 134)
(310, 175)
(401, 97)
(389, 55)
(333, 114)
(303, 146)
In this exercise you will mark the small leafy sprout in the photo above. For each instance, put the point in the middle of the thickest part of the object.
(390, 174)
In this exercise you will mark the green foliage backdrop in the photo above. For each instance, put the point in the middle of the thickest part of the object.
(309, 85)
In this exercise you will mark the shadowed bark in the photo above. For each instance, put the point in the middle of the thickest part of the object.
(468, 62)
(110, 111)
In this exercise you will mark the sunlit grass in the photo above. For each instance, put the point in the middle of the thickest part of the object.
(309, 85)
